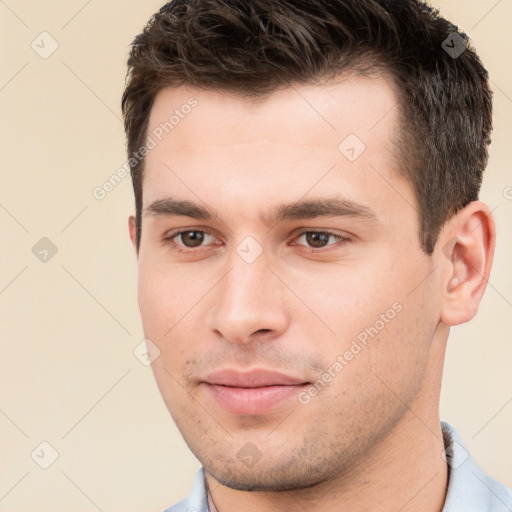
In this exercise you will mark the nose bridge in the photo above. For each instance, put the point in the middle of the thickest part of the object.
(248, 299)
(247, 290)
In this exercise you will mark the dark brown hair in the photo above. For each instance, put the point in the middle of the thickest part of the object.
(254, 47)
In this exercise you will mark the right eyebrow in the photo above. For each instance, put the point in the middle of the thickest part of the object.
(171, 207)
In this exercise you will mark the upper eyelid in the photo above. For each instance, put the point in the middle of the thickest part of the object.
(342, 236)
(178, 231)
(324, 231)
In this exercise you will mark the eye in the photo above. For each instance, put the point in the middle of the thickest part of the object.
(319, 239)
(190, 238)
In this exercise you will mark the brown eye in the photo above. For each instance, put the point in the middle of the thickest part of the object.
(191, 238)
(317, 239)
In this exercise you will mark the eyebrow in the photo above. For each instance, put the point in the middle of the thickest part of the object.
(327, 207)
(169, 207)
(310, 209)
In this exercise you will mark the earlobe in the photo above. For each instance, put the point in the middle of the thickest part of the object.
(466, 253)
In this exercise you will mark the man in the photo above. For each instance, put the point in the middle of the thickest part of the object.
(308, 229)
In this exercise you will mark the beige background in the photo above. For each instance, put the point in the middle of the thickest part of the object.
(68, 375)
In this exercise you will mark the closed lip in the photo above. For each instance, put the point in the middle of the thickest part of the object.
(255, 378)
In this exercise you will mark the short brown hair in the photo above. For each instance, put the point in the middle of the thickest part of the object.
(254, 47)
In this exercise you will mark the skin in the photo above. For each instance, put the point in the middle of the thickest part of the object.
(371, 439)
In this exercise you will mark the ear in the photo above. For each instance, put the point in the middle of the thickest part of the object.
(132, 229)
(466, 252)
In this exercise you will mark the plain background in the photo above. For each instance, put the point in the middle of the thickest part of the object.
(68, 374)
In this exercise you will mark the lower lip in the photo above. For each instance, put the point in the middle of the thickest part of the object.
(252, 401)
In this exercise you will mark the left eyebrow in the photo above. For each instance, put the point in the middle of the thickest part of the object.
(329, 207)
(168, 207)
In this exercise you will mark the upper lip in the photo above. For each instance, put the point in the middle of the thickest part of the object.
(251, 379)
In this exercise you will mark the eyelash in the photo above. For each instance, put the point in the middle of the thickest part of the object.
(183, 249)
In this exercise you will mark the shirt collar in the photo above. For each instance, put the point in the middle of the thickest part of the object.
(469, 488)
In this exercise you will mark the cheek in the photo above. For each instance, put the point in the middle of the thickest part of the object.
(152, 296)
(348, 297)
(400, 353)
(376, 323)
(383, 368)
(168, 303)
(164, 297)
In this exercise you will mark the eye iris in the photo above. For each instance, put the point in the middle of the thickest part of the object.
(192, 238)
(317, 239)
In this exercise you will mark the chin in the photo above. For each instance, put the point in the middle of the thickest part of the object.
(269, 479)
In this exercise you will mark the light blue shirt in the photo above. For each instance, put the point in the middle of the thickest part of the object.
(469, 488)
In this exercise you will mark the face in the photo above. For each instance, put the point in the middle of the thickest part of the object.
(281, 279)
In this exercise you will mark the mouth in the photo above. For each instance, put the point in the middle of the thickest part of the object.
(252, 392)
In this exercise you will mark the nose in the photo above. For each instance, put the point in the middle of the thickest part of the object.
(249, 303)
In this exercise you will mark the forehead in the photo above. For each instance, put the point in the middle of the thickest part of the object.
(231, 153)
(318, 115)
